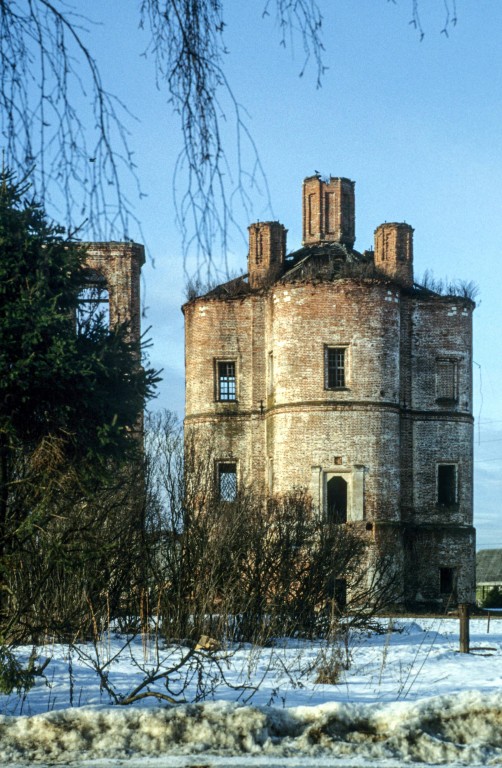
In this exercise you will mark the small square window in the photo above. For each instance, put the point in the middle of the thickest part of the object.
(446, 380)
(227, 481)
(226, 381)
(335, 367)
(447, 484)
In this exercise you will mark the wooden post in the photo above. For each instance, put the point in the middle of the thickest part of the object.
(463, 615)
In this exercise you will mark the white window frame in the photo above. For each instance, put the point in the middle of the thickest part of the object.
(218, 379)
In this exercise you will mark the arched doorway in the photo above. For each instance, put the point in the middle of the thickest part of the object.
(336, 507)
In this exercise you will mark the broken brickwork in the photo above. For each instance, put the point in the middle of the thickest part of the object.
(118, 267)
(114, 269)
(331, 370)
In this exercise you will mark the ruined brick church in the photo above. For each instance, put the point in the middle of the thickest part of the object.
(332, 370)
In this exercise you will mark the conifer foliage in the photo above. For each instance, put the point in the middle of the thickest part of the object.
(71, 394)
(79, 382)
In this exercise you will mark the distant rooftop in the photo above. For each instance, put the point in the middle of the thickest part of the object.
(489, 566)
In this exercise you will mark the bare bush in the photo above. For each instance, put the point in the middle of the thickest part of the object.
(254, 568)
(465, 289)
(73, 546)
(197, 579)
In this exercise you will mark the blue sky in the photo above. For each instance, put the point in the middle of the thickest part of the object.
(416, 124)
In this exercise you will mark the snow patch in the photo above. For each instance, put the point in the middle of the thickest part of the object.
(464, 729)
(407, 696)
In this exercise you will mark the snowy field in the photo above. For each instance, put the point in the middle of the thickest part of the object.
(408, 696)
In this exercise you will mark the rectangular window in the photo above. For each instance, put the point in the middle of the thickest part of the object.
(93, 300)
(335, 367)
(226, 384)
(337, 590)
(446, 581)
(447, 484)
(227, 481)
(446, 380)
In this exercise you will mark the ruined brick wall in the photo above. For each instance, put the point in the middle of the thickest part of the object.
(385, 432)
(428, 550)
(311, 427)
(120, 266)
(441, 433)
(394, 251)
(267, 250)
(399, 430)
(232, 331)
(328, 210)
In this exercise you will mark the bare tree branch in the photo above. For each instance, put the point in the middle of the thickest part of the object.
(79, 157)
(303, 17)
(62, 128)
(450, 19)
(76, 160)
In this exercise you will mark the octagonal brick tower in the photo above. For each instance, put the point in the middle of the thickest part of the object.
(331, 370)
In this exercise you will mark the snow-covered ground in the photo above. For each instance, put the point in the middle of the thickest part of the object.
(408, 696)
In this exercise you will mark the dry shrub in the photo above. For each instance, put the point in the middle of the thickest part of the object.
(252, 569)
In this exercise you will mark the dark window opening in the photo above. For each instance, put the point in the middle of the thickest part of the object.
(226, 381)
(227, 482)
(446, 581)
(337, 590)
(335, 367)
(341, 593)
(447, 484)
(446, 380)
(337, 500)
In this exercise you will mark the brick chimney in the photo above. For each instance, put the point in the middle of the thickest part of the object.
(328, 211)
(267, 250)
(394, 251)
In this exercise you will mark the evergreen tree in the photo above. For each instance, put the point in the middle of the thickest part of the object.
(71, 393)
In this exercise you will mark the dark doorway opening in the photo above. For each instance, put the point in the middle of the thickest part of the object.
(447, 581)
(447, 484)
(337, 590)
(337, 500)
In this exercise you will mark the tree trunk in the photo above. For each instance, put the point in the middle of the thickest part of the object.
(4, 496)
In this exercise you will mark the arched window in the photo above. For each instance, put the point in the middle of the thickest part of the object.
(336, 488)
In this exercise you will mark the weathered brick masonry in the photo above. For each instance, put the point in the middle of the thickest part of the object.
(332, 370)
(117, 266)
